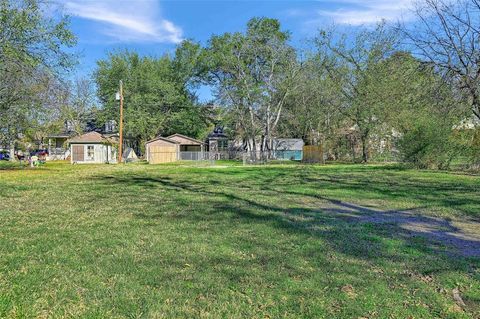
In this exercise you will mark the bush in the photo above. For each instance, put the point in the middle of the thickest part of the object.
(429, 143)
(468, 141)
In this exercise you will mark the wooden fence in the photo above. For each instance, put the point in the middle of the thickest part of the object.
(313, 154)
(162, 154)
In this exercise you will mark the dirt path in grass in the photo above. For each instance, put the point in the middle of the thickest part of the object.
(459, 237)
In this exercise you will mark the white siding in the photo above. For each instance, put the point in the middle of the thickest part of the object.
(101, 154)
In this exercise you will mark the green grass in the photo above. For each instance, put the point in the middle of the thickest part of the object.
(171, 241)
(4, 165)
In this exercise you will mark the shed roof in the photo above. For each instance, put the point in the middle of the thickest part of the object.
(181, 139)
(291, 144)
(91, 137)
(163, 139)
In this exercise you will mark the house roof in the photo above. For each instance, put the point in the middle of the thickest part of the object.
(217, 133)
(91, 137)
(180, 136)
(163, 139)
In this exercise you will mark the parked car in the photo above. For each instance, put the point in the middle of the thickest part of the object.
(4, 156)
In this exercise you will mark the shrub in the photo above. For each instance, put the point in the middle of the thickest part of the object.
(429, 143)
(468, 143)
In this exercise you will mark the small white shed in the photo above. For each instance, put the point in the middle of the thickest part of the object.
(92, 148)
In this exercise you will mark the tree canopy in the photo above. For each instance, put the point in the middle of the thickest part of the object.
(253, 73)
(387, 92)
(32, 55)
(156, 95)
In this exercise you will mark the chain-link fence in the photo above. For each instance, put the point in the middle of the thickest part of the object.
(239, 156)
(272, 157)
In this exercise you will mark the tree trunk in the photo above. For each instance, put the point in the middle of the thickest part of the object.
(364, 149)
(254, 149)
(12, 151)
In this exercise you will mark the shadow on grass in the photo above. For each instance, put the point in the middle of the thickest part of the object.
(387, 185)
(442, 236)
(426, 245)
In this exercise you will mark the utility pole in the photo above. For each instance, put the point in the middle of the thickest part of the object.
(120, 146)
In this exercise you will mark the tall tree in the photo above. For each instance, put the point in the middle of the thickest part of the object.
(157, 98)
(32, 51)
(448, 35)
(254, 72)
(312, 109)
(422, 109)
(76, 105)
(352, 65)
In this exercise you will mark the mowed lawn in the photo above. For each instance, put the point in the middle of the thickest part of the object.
(293, 241)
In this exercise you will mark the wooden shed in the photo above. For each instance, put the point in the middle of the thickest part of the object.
(161, 150)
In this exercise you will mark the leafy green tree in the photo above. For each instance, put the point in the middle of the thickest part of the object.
(189, 65)
(352, 65)
(311, 111)
(156, 95)
(253, 73)
(447, 35)
(32, 54)
(424, 109)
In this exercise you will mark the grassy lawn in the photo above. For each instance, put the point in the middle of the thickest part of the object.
(170, 241)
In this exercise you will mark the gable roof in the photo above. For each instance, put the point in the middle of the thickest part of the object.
(91, 137)
(195, 141)
(163, 139)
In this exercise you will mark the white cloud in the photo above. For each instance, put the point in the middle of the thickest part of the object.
(358, 12)
(127, 21)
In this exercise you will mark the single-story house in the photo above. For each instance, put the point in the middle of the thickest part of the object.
(92, 148)
(288, 148)
(57, 143)
(57, 146)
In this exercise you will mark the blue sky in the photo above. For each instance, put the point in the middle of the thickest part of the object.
(154, 27)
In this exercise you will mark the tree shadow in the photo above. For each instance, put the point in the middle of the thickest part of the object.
(441, 234)
(425, 244)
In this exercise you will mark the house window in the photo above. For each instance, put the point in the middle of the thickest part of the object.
(223, 145)
(90, 152)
